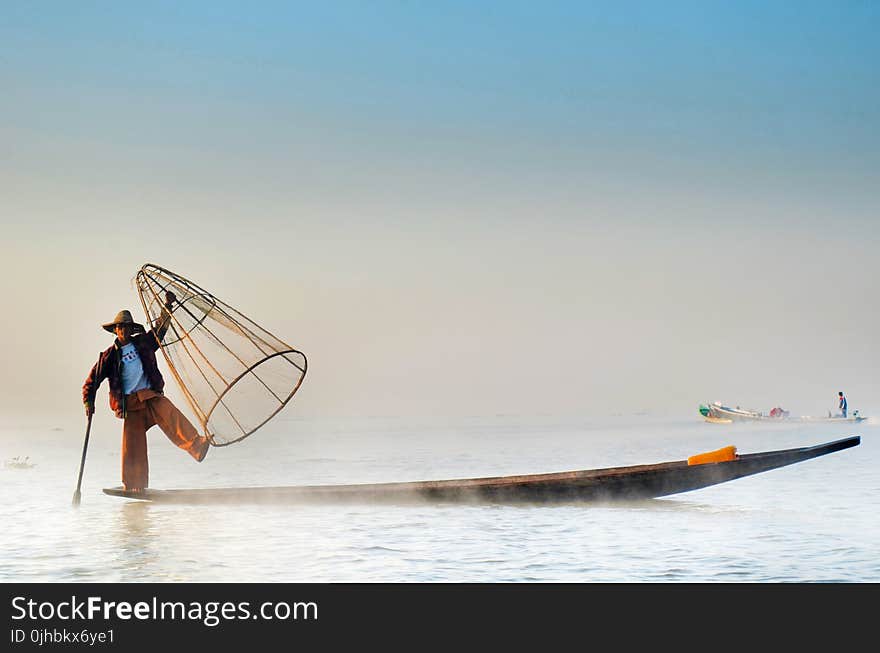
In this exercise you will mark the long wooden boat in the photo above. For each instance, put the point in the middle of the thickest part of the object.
(720, 414)
(609, 484)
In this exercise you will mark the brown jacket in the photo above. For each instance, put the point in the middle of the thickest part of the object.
(109, 366)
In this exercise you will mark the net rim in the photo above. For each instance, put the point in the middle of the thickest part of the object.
(281, 405)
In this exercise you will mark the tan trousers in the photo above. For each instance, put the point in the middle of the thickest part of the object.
(144, 409)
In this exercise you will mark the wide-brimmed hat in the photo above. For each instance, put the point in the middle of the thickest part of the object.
(123, 317)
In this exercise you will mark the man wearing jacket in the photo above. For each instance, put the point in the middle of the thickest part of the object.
(136, 395)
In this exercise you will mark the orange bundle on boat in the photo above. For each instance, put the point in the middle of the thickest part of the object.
(718, 456)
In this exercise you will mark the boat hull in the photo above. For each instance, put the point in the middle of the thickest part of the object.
(608, 484)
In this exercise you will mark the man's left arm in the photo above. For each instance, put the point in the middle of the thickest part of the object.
(164, 321)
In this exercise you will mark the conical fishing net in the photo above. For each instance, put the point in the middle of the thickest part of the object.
(234, 374)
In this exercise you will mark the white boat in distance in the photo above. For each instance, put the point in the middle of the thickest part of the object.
(719, 413)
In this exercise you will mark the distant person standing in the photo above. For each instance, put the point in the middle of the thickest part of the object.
(842, 404)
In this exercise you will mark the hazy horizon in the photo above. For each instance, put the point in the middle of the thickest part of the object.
(456, 209)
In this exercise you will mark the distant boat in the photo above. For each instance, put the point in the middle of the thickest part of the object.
(720, 414)
(608, 484)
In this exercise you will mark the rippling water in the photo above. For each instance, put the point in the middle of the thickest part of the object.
(814, 521)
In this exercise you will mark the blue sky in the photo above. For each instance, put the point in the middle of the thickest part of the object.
(572, 207)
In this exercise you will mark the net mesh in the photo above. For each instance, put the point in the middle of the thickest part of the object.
(234, 374)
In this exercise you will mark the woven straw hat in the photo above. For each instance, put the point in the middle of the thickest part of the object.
(123, 317)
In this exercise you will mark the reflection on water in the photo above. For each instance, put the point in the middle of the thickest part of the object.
(136, 537)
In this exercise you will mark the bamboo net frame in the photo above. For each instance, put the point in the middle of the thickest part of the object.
(234, 374)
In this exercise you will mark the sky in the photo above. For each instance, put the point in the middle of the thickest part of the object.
(455, 208)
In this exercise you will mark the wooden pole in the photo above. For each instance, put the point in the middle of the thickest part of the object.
(77, 495)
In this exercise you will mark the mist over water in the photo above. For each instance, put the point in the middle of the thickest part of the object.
(812, 521)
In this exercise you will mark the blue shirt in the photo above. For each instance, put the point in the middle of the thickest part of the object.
(133, 377)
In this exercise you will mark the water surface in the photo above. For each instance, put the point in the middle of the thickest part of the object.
(815, 521)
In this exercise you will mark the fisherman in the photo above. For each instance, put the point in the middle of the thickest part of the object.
(136, 394)
(842, 404)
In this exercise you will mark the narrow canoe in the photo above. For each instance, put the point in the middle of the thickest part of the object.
(609, 484)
